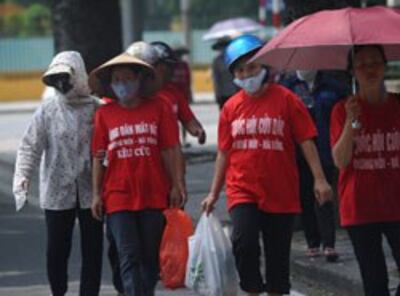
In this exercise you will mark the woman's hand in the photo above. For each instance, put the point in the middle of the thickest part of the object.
(97, 207)
(24, 185)
(178, 196)
(353, 108)
(201, 136)
(207, 204)
(322, 191)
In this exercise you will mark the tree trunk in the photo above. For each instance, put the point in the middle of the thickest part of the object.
(296, 9)
(91, 27)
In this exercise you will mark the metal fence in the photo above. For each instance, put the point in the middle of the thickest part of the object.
(34, 54)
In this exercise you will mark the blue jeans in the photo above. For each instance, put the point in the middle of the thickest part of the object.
(137, 237)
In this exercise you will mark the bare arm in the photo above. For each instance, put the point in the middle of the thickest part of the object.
(174, 164)
(322, 189)
(342, 151)
(217, 183)
(196, 130)
(97, 183)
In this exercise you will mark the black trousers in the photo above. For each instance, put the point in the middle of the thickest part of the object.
(276, 230)
(318, 220)
(60, 225)
(367, 244)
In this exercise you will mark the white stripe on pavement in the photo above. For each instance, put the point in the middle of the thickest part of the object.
(295, 293)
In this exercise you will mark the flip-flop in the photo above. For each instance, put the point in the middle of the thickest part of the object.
(313, 252)
(331, 255)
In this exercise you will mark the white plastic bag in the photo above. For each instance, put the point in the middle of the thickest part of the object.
(211, 266)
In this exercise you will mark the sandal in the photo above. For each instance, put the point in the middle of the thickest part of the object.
(331, 255)
(313, 252)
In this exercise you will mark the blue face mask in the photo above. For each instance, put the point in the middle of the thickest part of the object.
(125, 91)
(252, 84)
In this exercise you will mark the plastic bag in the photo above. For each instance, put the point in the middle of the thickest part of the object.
(174, 248)
(211, 267)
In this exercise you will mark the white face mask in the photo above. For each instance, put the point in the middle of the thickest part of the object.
(125, 91)
(251, 84)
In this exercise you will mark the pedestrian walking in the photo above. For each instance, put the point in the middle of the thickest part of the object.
(58, 137)
(148, 54)
(182, 74)
(319, 91)
(257, 132)
(367, 155)
(138, 135)
(223, 84)
(182, 78)
(164, 67)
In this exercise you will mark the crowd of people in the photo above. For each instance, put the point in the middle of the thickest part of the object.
(110, 153)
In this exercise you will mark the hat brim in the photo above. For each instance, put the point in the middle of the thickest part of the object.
(56, 69)
(100, 78)
(221, 43)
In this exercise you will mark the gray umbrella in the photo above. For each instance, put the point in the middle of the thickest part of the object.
(231, 27)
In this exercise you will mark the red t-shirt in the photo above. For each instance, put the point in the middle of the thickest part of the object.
(135, 178)
(179, 104)
(369, 187)
(259, 135)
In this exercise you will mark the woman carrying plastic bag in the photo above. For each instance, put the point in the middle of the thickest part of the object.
(258, 129)
(211, 267)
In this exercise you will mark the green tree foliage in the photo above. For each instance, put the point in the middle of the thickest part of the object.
(31, 22)
(160, 14)
(205, 13)
(296, 9)
(37, 20)
(13, 25)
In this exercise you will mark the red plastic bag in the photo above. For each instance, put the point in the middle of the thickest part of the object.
(174, 250)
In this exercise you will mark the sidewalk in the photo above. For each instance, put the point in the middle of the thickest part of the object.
(18, 107)
(342, 276)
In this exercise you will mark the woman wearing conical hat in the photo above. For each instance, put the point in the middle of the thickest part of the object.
(138, 135)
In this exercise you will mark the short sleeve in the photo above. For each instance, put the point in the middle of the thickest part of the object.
(224, 131)
(338, 118)
(168, 133)
(302, 125)
(100, 137)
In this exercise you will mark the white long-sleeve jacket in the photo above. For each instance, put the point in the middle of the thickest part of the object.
(59, 138)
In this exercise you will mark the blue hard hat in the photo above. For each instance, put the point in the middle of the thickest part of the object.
(239, 47)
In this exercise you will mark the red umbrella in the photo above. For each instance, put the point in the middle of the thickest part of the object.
(322, 40)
